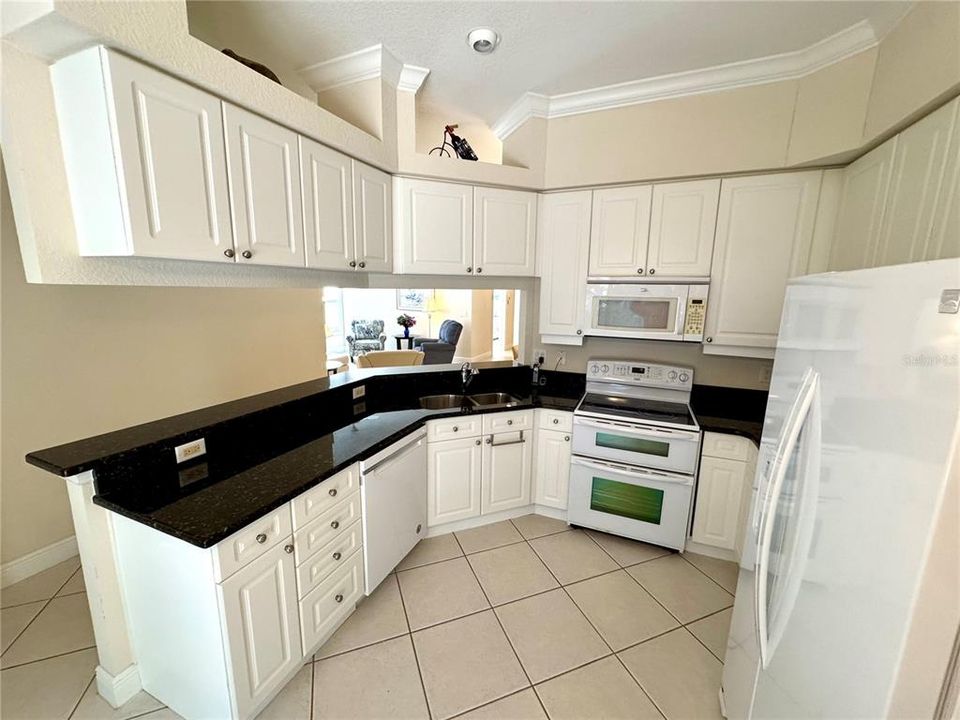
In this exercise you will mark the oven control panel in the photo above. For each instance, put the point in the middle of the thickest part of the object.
(640, 373)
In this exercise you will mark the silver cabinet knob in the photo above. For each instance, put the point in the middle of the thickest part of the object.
(709, 339)
(509, 422)
(579, 332)
(353, 263)
(489, 441)
(229, 252)
(477, 442)
(566, 438)
(288, 549)
(469, 269)
(479, 270)
(419, 528)
(456, 428)
(333, 492)
(639, 271)
(335, 524)
(556, 421)
(652, 271)
(247, 254)
(261, 538)
(362, 264)
(339, 598)
(336, 556)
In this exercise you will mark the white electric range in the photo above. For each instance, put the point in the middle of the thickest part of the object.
(636, 445)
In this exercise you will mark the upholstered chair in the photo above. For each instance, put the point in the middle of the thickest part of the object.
(441, 349)
(367, 335)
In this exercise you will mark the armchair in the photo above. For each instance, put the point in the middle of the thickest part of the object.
(367, 335)
(440, 350)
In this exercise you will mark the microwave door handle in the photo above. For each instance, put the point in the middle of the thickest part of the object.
(633, 472)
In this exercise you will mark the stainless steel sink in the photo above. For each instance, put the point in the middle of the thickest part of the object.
(495, 398)
(442, 402)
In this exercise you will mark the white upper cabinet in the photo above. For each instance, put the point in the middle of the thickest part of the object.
(264, 169)
(620, 231)
(682, 226)
(373, 218)
(915, 182)
(563, 237)
(765, 227)
(863, 198)
(327, 206)
(145, 160)
(504, 231)
(434, 227)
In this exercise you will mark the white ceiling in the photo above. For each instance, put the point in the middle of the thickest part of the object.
(547, 47)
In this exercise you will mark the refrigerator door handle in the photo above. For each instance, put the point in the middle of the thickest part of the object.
(808, 406)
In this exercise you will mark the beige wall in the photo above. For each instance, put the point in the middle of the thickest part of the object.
(481, 324)
(82, 360)
(359, 103)
(429, 132)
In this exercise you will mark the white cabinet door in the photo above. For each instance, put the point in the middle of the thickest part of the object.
(563, 237)
(453, 480)
(504, 231)
(620, 230)
(170, 140)
(915, 181)
(261, 620)
(862, 202)
(506, 466)
(551, 463)
(434, 230)
(764, 231)
(721, 489)
(373, 218)
(327, 206)
(945, 231)
(264, 171)
(683, 222)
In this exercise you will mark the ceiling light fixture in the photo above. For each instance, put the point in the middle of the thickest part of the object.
(483, 39)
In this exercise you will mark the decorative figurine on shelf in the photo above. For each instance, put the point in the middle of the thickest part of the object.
(460, 145)
(406, 322)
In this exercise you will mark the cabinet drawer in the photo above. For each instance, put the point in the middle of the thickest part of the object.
(324, 496)
(452, 428)
(507, 421)
(555, 420)
(331, 601)
(328, 558)
(729, 447)
(250, 543)
(326, 527)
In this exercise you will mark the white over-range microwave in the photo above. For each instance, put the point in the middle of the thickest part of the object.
(647, 311)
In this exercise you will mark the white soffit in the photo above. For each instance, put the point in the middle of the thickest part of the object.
(373, 62)
(773, 68)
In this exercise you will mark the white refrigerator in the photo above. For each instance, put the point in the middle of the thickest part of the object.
(848, 599)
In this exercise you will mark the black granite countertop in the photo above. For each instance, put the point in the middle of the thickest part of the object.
(730, 410)
(265, 450)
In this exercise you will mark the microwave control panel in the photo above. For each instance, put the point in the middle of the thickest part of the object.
(640, 373)
(695, 316)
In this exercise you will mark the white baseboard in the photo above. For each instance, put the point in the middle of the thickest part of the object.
(710, 551)
(118, 689)
(473, 522)
(38, 561)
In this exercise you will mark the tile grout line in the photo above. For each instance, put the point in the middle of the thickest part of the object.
(51, 657)
(416, 657)
(702, 572)
(46, 604)
(80, 699)
(313, 682)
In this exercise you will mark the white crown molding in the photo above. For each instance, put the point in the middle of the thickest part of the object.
(370, 63)
(773, 68)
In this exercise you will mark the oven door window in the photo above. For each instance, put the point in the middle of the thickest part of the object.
(636, 314)
(644, 446)
(630, 501)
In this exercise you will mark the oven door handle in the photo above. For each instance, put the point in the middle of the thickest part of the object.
(633, 472)
(682, 435)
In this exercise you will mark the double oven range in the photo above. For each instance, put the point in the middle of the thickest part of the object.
(636, 446)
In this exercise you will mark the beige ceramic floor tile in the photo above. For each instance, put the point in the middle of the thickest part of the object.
(602, 690)
(74, 585)
(534, 526)
(380, 681)
(713, 630)
(41, 586)
(94, 707)
(620, 609)
(681, 588)
(722, 572)
(523, 705)
(63, 626)
(572, 556)
(379, 617)
(293, 702)
(489, 536)
(14, 619)
(678, 673)
(46, 690)
(626, 551)
(511, 572)
(443, 591)
(467, 663)
(550, 634)
(162, 714)
(431, 550)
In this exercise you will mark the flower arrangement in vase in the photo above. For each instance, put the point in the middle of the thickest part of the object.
(406, 322)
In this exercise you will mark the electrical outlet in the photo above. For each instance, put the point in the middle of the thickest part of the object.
(539, 355)
(190, 450)
(561, 358)
(359, 391)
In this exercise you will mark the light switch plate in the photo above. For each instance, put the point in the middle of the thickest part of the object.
(190, 450)
(359, 391)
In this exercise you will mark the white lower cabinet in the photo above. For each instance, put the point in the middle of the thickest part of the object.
(727, 465)
(453, 480)
(551, 475)
(505, 471)
(322, 610)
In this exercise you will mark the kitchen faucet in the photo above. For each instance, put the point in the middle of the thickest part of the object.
(467, 371)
